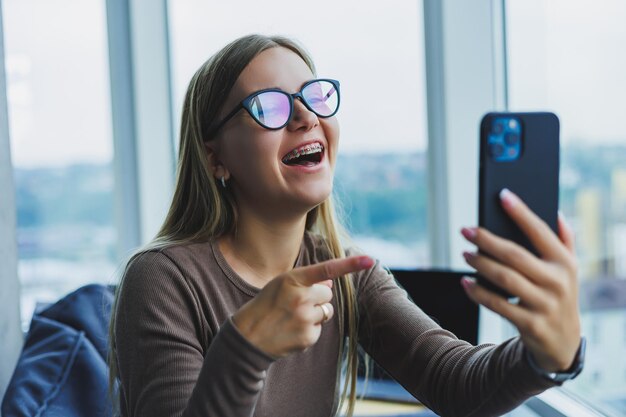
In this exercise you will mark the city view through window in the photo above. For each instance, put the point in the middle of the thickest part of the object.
(56, 62)
(572, 63)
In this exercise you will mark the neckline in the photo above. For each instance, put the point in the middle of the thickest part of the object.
(235, 278)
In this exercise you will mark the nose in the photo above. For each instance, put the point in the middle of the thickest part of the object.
(302, 117)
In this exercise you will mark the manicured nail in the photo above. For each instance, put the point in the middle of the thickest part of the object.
(508, 198)
(469, 256)
(469, 233)
(366, 262)
(468, 283)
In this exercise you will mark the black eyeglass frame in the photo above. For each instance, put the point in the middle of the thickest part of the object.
(246, 104)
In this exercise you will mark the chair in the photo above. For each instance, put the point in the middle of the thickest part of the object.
(62, 370)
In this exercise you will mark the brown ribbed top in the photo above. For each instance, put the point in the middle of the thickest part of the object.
(179, 353)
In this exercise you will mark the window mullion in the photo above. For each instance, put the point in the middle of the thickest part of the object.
(11, 340)
(465, 80)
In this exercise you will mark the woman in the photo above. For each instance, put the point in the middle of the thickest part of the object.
(247, 304)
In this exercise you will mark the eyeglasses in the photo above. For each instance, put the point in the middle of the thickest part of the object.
(272, 108)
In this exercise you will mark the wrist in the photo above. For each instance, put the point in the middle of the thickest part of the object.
(549, 365)
(246, 347)
(246, 324)
(558, 374)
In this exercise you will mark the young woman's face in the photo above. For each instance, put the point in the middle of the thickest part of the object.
(254, 157)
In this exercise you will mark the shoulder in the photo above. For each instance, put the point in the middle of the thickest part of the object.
(315, 248)
(156, 274)
(145, 267)
(147, 271)
(154, 289)
(147, 261)
(184, 260)
(373, 280)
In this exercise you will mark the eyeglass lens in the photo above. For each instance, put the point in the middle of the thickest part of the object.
(272, 108)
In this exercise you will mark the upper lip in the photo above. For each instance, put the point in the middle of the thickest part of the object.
(302, 145)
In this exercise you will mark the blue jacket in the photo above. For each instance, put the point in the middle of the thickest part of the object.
(62, 370)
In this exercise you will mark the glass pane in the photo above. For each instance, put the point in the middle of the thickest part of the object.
(59, 119)
(381, 170)
(572, 62)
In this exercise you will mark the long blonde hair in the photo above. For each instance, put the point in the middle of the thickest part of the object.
(200, 210)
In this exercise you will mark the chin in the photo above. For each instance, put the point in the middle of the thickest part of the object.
(314, 196)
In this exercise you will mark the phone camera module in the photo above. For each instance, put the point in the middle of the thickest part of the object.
(511, 139)
(505, 139)
(496, 150)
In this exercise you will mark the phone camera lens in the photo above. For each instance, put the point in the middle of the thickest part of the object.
(496, 150)
(497, 128)
(511, 139)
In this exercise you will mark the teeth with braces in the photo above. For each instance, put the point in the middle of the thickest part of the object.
(305, 150)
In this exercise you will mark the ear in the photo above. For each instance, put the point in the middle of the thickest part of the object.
(215, 164)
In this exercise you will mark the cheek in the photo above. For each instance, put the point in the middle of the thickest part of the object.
(331, 132)
(250, 157)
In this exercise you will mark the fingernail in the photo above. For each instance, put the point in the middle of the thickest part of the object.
(469, 233)
(469, 256)
(366, 262)
(508, 198)
(468, 282)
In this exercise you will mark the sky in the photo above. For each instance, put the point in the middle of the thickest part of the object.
(569, 56)
(564, 55)
(57, 81)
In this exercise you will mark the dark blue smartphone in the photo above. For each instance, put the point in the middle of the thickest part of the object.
(518, 151)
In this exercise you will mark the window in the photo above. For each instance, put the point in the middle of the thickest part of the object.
(59, 119)
(381, 169)
(572, 63)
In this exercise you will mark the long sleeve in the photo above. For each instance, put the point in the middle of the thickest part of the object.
(163, 369)
(450, 376)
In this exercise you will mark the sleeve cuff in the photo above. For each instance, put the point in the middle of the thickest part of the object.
(238, 342)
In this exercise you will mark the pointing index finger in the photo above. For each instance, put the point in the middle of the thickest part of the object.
(312, 274)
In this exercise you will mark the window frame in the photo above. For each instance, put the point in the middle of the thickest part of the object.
(11, 342)
(141, 98)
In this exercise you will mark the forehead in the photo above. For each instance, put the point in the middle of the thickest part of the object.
(274, 67)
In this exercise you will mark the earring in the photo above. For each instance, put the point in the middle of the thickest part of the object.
(223, 182)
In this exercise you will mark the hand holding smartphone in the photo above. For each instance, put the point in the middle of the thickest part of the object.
(518, 151)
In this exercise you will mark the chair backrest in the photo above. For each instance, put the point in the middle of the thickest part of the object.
(62, 370)
(439, 293)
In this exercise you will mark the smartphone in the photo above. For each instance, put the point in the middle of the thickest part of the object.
(518, 151)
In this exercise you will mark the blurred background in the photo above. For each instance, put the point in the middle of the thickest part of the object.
(94, 91)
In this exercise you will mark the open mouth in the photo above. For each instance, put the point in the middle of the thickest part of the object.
(308, 155)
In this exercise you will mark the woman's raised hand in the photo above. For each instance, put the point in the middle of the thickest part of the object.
(287, 315)
(547, 314)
